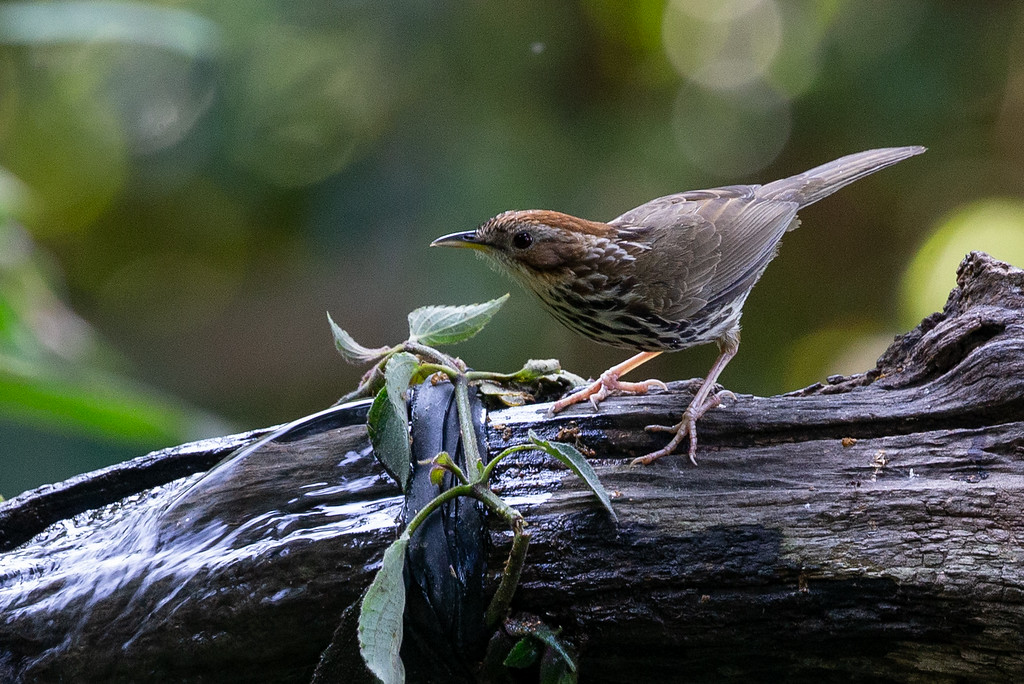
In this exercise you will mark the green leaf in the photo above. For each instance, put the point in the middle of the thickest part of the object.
(568, 454)
(397, 374)
(436, 325)
(91, 400)
(389, 435)
(547, 636)
(388, 419)
(523, 654)
(505, 395)
(537, 368)
(352, 351)
(554, 670)
(380, 616)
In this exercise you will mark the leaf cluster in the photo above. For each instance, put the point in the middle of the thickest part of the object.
(395, 369)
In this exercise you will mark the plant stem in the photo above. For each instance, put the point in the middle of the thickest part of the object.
(499, 606)
(427, 353)
(457, 472)
(481, 492)
(439, 368)
(470, 449)
(368, 385)
(487, 375)
(459, 490)
(489, 468)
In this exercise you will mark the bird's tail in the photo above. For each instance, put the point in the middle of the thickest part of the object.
(821, 181)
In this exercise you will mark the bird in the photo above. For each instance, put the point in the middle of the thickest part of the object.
(672, 273)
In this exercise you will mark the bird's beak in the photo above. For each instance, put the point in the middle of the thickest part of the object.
(466, 239)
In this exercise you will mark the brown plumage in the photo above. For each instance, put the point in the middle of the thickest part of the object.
(667, 275)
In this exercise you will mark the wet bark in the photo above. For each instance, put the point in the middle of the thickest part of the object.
(865, 529)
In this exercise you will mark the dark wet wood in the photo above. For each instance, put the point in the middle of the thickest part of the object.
(870, 528)
(866, 529)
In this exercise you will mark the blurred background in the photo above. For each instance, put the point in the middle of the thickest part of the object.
(187, 187)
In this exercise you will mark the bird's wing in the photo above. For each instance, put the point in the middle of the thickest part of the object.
(703, 246)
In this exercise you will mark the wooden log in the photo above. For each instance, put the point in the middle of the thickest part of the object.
(866, 529)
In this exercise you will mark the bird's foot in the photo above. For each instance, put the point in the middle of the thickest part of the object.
(685, 428)
(602, 388)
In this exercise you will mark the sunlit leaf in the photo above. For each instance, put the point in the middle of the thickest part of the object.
(380, 617)
(397, 374)
(571, 457)
(352, 351)
(437, 325)
(389, 435)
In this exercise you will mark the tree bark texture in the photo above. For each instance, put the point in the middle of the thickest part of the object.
(868, 529)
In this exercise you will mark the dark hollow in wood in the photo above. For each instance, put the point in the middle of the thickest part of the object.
(865, 529)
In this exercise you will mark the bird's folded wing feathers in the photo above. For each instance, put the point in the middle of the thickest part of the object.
(750, 232)
(709, 243)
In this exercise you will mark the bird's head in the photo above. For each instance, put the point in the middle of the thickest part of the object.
(535, 245)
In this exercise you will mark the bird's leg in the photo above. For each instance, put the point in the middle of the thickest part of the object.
(599, 390)
(704, 400)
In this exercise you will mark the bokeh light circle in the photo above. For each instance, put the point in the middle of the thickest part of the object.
(731, 133)
(995, 226)
(722, 45)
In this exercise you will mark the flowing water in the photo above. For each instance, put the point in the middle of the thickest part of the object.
(119, 578)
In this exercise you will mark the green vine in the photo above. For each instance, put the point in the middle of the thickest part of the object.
(394, 370)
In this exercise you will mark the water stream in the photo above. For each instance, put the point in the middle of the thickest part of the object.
(117, 578)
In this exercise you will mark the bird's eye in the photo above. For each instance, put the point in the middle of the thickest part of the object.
(522, 240)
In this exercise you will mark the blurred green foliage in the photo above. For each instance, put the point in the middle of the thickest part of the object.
(995, 226)
(199, 181)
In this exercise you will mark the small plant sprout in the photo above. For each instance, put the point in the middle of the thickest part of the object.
(394, 370)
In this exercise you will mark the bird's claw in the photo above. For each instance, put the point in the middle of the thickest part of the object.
(724, 394)
(602, 388)
(654, 383)
(685, 428)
